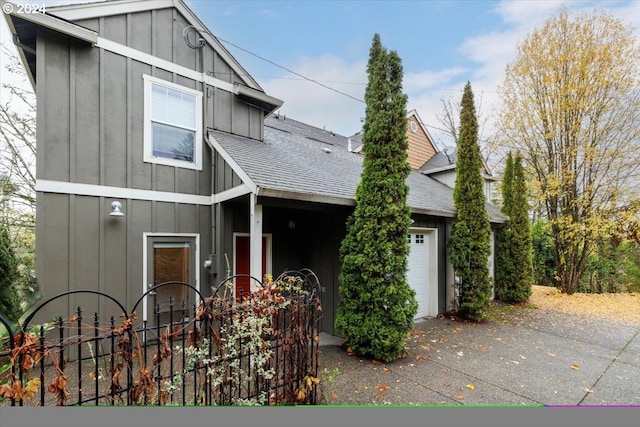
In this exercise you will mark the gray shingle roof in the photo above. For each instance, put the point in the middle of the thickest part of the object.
(440, 161)
(296, 158)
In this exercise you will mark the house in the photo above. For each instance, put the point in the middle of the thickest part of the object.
(159, 158)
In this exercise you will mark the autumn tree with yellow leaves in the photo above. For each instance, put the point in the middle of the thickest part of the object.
(571, 107)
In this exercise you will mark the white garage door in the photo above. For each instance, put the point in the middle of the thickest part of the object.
(418, 270)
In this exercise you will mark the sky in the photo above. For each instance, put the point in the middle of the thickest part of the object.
(442, 45)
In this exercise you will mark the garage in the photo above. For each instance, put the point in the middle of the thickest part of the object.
(421, 270)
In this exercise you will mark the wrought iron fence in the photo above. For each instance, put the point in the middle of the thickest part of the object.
(260, 348)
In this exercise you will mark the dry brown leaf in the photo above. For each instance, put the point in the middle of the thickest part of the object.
(575, 367)
(622, 306)
(459, 396)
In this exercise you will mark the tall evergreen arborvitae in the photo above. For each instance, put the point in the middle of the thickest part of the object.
(377, 305)
(9, 299)
(507, 186)
(504, 262)
(470, 233)
(514, 272)
(522, 247)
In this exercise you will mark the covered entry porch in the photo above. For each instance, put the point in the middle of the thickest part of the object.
(276, 235)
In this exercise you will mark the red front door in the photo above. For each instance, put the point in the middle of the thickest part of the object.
(243, 265)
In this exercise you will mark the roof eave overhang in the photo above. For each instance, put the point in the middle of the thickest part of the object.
(438, 169)
(433, 212)
(23, 30)
(259, 99)
(54, 23)
(304, 197)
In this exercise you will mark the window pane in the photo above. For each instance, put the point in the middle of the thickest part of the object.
(171, 263)
(173, 106)
(159, 103)
(172, 143)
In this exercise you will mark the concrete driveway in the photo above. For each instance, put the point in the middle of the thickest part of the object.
(523, 356)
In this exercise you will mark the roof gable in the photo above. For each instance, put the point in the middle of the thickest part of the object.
(82, 11)
(421, 146)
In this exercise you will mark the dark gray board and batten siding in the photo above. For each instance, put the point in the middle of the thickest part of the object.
(90, 131)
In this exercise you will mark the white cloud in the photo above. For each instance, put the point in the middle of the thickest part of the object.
(521, 13)
(316, 105)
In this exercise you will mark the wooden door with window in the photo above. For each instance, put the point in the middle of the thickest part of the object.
(171, 259)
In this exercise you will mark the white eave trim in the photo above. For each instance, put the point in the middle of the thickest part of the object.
(62, 187)
(56, 24)
(434, 212)
(231, 193)
(97, 9)
(305, 197)
(172, 67)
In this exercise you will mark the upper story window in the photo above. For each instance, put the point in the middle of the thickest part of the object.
(172, 124)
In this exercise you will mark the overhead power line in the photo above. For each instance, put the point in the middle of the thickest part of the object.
(319, 82)
(291, 71)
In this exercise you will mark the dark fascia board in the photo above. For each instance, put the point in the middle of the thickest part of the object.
(76, 12)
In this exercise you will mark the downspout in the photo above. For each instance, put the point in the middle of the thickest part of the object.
(212, 264)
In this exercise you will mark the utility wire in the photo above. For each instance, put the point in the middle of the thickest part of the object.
(318, 82)
(291, 71)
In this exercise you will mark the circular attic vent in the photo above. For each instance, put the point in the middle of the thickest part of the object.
(414, 126)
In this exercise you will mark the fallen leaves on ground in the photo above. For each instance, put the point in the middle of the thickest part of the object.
(575, 367)
(471, 386)
(620, 306)
(382, 389)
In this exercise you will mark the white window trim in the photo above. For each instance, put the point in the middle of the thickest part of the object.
(148, 143)
(145, 253)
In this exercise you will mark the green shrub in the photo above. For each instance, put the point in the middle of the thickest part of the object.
(614, 266)
(544, 260)
(9, 296)
(470, 245)
(377, 304)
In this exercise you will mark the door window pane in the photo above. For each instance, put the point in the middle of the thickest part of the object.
(171, 263)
